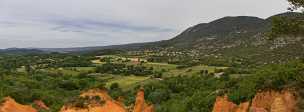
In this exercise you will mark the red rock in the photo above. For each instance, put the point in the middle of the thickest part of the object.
(10, 105)
(110, 105)
(266, 101)
(254, 109)
(222, 104)
(243, 107)
(274, 101)
(41, 105)
(140, 104)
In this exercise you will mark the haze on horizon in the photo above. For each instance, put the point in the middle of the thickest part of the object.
(80, 23)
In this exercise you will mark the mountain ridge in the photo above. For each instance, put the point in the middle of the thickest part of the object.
(220, 29)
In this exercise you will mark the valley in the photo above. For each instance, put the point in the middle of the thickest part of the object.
(231, 64)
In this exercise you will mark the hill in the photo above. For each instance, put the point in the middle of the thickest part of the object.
(220, 29)
(20, 51)
(227, 27)
(240, 39)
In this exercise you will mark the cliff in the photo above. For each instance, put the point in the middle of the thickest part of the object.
(141, 105)
(108, 104)
(100, 101)
(10, 105)
(266, 101)
(94, 101)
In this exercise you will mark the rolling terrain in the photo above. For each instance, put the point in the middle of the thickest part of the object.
(228, 65)
(241, 39)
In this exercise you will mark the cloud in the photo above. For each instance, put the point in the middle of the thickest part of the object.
(73, 23)
(83, 24)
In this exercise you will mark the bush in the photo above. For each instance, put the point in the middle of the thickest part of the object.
(198, 93)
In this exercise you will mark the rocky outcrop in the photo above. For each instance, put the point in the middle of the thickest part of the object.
(273, 101)
(92, 101)
(141, 105)
(108, 105)
(243, 107)
(40, 104)
(222, 104)
(10, 105)
(266, 101)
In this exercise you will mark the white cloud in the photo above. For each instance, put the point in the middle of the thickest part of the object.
(70, 23)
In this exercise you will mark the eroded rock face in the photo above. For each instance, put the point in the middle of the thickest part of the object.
(141, 105)
(40, 104)
(222, 104)
(273, 101)
(100, 101)
(10, 105)
(109, 104)
(243, 107)
(266, 101)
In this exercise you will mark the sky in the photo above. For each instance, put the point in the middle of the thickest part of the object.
(80, 23)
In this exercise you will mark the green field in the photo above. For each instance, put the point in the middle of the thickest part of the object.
(171, 69)
(130, 81)
(125, 82)
(70, 70)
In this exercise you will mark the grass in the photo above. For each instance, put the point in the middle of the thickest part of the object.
(239, 75)
(21, 69)
(160, 66)
(97, 62)
(83, 69)
(129, 82)
(171, 70)
(71, 70)
(126, 82)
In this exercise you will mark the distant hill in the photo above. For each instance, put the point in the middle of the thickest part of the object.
(287, 14)
(227, 27)
(238, 38)
(231, 38)
(133, 46)
(20, 51)
(221, 28)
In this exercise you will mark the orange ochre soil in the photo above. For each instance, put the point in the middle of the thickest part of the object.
(265, 101)
(109, 105)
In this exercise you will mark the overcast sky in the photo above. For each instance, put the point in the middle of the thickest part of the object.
(77, 23)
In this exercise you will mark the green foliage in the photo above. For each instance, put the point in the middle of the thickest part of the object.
(114, 68)
(114, 86)
(278, 76)
(234, 70)
(286, 26)
(115, 91)
(53, 89)
(296, 4)
(194, 93)
(83, 102)
(198, 93)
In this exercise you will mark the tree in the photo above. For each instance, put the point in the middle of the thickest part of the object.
(296, 4)
(286, 26)
(28, 68)
(289, 25)
(114, 86)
